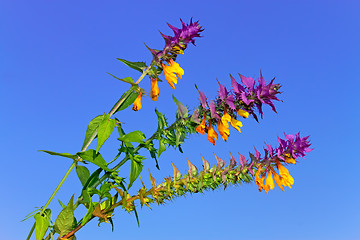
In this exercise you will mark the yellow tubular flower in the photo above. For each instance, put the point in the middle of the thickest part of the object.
(259, 181)
(212, 135)
(201, 127)
(287, 179)
(289, 158)
(226, 118)
(154, 92)
(243, 113)
(171, 72)
(137, 103)
(269, 182)
(277, 179)
(236, 124)
(223, 130)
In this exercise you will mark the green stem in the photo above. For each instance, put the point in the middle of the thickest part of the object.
(31, 231)
(112, 111)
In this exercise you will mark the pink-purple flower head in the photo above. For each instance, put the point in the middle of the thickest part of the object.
(178, 43)
(255, 92)
(293, 147)
(186, 34)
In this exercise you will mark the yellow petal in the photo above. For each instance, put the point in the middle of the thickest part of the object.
(236, 124)
(212, 135)
(269, 182)
(223, 130)
(201, 128)
(243, 113)
(171, 72)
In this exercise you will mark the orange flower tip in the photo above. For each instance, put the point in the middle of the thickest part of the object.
(137, 103)
(154, 92)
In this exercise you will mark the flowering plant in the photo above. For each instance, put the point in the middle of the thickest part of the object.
(104, 189)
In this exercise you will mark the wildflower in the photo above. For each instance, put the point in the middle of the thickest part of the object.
(201, 127)
(287, 179)
(224, 130)
(242, 113)
(277, 179)
(269, 183)
(171, 72)
(212, 135)
(259, 181)
(226, 118)
(137, 103)
(223, 126)
(154, 92)
(236, 124)
(289, 159)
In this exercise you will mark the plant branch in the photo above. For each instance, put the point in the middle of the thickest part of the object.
(112, 111)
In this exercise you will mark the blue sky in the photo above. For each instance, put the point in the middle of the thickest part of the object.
(53, 63)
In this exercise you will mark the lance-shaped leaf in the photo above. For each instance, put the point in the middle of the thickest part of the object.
(232, 161)
(135, 168)
(136, 136)
(162, 146)
(182, 111)
(243, 160)
(206, 164)
(42, 224)
(64, 221)
(89, 213)
(93, 179)
(192, 169)
(162, 123)
(126, 79)
(177, 174)
(67, 155)
(83, 174)
(92, 128)
(221, 163)
(152, 180)
(95, 158)
(195, 116)
(127, 98)
(139, 66)
(106, 127)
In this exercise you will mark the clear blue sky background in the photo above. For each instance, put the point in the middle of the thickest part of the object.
(54, 56)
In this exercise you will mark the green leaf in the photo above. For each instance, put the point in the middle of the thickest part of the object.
(88, 214)
(127, 79)
(67, 155)
(129, 100)
(161, 120)
(182, 111)
(41, 224)
(135, 168)
(95, 158)
(130, 96)
(162, 147)
(137, 217)
(139, 66)
(61, 204)
(106, 127)
(83, 174)
(136, 136)
(64, 221)
(85, 197)
(92, 127)
(93, 179)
